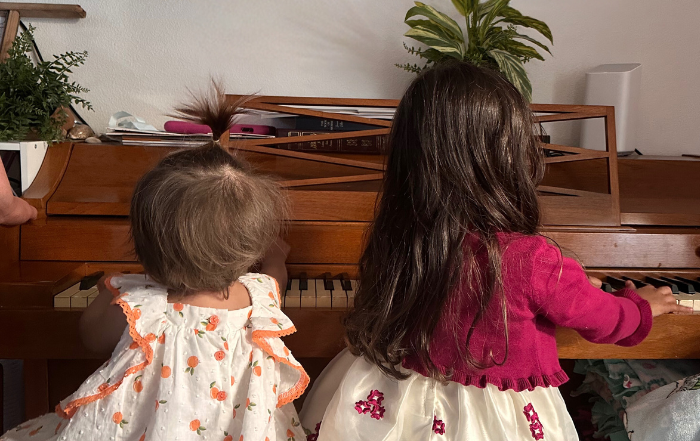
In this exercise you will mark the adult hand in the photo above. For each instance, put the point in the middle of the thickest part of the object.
(15, 211)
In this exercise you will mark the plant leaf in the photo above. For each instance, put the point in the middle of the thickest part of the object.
(436, 17)
(437, 41)
(532, 40)
(512, 68)
(432, 55)
(521, 50)
(513, 16)
(495, 9)
(484, 8)
(465, 7)
(437, 30)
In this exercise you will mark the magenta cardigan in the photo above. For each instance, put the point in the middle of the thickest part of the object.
(542, 290)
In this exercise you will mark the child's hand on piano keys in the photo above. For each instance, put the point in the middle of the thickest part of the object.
(595, 281)
(660, 299)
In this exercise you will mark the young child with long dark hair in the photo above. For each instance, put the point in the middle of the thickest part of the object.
(453, 332)
(198, 351)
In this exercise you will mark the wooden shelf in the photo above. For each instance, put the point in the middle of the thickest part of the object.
(44, 10)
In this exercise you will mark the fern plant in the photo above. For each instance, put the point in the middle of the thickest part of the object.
(30, 94)
(492, 38)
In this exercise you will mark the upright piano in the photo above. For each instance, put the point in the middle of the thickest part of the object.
(636, 217)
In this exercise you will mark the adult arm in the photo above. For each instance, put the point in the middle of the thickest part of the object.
(13, 210)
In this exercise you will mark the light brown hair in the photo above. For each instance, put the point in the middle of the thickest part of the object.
(201, 217)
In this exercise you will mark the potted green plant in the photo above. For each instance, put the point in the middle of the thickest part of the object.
(33, 95)
(491, 39)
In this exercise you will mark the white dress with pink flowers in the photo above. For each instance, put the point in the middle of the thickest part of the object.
(182, 372)
(352, 400)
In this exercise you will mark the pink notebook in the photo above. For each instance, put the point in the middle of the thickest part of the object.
(191, 128)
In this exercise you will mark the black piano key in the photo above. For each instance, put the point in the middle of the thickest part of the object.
(303, 282)
(88, 282)
(694, 283)
(685, 287)
(327, 282)
(637, 283)
(289, 284)
(606, 287)
(658, 283)
(615, 282)
(345, 282)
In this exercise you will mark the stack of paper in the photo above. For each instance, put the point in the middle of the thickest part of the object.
(363, 112)
(132, 130)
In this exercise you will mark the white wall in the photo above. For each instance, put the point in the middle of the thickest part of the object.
(145, 53)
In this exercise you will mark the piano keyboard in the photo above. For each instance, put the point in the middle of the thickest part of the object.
(339, 292)
(80, 295)
(302, 292)
(328, 292)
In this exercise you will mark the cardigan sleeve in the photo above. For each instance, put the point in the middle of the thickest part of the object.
(562, 293)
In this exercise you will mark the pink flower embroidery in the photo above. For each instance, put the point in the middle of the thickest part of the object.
(314, 436)
(536, 428)
(373, 405)
(438, 426)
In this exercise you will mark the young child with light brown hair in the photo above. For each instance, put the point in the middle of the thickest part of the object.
(198, 352)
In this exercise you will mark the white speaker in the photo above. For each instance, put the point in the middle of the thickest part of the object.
(616, 85)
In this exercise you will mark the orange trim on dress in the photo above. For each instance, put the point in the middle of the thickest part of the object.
(259, 338)
(73, 406)
(301, 385)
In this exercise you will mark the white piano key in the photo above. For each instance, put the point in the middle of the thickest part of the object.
(688, 303)
(62, 299)
(323, 296)
(308, 297)
(80, 298)
(292, 297)
(684, 300)
(340, 297)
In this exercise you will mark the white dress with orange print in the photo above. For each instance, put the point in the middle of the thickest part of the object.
(182, 372)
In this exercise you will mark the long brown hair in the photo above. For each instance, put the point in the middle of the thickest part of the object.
(201, 217)
(464, 161)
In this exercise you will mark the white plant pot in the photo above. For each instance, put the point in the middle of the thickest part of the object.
(31, 156)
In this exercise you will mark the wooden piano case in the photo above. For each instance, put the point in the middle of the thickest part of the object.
(83, 192)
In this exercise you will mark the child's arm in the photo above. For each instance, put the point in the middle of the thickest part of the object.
(564, 295)
(273, 263)
(102, 324)
(13, 210)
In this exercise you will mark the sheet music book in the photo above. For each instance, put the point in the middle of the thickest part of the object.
(386, 113)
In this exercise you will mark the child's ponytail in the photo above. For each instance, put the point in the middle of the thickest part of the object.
(212, 109)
